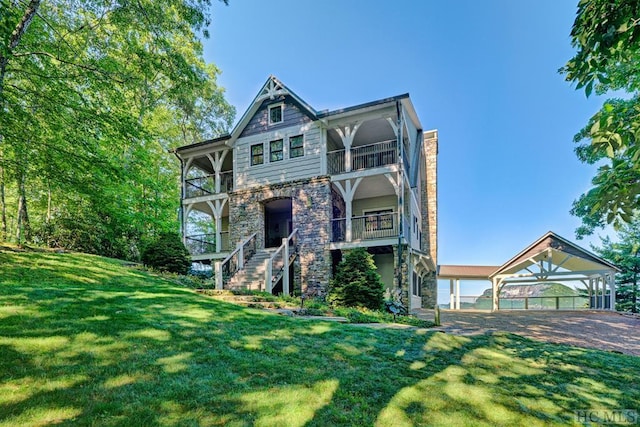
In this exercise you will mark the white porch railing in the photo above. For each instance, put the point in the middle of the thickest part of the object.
(277, 266)
(363, 157)
(366, 227)
(235, 261)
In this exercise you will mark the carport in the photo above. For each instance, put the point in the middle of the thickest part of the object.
(551, 258)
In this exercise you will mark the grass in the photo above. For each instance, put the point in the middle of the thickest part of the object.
(86, 341)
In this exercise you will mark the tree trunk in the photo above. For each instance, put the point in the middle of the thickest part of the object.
(23, 228)
(3, 207)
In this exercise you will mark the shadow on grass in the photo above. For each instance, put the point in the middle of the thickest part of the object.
(86, 341)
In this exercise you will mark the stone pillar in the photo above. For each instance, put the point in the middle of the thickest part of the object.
(312, 211)
(403, 293)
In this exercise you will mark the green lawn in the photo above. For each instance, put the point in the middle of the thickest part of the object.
(86, 341)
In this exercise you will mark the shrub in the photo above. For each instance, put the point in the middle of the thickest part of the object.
(167, 253)
(356, 282)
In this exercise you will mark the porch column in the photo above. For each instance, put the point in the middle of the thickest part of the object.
(457, 294)
(347, 192)
(590, 293)
(495, 283)
(596, 298)
(347, 136)
(216, 163)
(216, 209)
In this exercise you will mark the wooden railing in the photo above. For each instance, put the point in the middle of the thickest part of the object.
(201, 244)
(235, 261)
(363, 157)
(206, 185)
(277, 266)
(366, 227)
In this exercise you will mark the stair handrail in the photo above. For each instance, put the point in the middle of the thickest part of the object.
(285, 252)
(231, 266)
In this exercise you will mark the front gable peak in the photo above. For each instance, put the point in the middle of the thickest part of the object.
(272, 91)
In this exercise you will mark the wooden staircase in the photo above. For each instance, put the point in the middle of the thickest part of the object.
(251, 277)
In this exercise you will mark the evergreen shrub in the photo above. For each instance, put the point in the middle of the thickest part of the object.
(356, 282)
(167, 253)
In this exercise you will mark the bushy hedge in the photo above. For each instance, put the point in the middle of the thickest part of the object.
(356, 282)
(167, 253)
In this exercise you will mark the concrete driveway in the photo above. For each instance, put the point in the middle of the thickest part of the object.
(593, 329)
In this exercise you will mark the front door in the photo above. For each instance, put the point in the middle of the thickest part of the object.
(277, 222)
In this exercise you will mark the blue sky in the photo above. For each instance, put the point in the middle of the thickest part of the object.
(484, 73)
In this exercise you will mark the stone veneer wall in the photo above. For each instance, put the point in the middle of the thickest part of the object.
(429, 196)
(311, 211)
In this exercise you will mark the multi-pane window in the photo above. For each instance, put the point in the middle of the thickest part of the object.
(296, 146)
(257, 154)
(275, 151)
(275, 114)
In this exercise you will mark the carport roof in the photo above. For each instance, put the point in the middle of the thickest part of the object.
(563, 254)
(550, 247)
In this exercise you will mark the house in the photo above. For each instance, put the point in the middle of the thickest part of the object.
(274, 204)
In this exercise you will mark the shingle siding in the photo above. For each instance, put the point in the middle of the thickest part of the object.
(292, 115)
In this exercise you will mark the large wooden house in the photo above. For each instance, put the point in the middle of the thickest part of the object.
(290, 189)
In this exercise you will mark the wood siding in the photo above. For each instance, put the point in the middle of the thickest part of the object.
(292, 115)
(307, 166)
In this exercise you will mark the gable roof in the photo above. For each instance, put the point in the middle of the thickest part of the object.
(270, 90)
(551, 242)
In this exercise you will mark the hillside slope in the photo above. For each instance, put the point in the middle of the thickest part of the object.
(89, 341)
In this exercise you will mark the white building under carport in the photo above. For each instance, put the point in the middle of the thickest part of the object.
(551, 258)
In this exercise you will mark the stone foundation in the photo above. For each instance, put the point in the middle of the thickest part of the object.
(311, 212)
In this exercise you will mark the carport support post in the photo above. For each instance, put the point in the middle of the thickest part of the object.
(494, 298)
(451, 295)
(612, 298)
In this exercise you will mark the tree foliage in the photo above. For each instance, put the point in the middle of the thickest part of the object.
(606, 35)
(356, 282)
(92, 95)
(625, 254)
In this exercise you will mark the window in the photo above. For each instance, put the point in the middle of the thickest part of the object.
(296, 146)
(257, 154)
(275, 150)
(275, 114)
(379, 220)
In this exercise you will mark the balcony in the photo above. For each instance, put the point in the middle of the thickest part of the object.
(201, 244)
(206, 185)
(367, 227)
(363, 157)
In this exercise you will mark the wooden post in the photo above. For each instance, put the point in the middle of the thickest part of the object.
(218, 270)
(285, 271)
(268, 276)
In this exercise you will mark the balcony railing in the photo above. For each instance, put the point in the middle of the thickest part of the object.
(364, 157)
(206, 243)
(206, 185)
(367, 227)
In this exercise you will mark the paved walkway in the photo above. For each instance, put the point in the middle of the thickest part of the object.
(592, 329)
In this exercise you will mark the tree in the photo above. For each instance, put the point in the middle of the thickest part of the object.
(606, 35)
(92, 95)
(356, 282)
(625, 254)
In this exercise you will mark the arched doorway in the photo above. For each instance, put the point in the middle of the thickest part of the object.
(277, 221)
